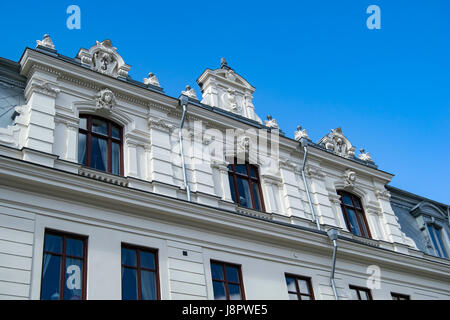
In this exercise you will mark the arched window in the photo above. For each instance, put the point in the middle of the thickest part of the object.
(354, 214)
(100, 144)
(245, 186)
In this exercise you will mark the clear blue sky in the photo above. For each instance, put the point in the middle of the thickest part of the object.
(313, 63)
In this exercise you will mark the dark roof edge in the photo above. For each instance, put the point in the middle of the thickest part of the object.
(410, 194)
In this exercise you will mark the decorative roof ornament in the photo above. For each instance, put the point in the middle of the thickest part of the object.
(223, 88)
(45, 42)
(271, 123)
(337, 143)
(103, 58)
(152, 80)
(189, 92)
(365, 156)
(105, 100)
(300, 133)
(224, 64)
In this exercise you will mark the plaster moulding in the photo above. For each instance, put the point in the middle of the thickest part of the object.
(103, 58)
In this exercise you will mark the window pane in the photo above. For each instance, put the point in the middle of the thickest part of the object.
(219, 290)
(232, 190)
(256, 195)
(354, 294)
(129, 257)
(304, 297)
(51, 275)
(303, 286)
(235, 291)
(253, 172)
(293, 296)
(148, 285)
(353, 222)
(74, 247)
(363, 224)
(356, 203)
(99, 126)
(232, 274)
(433, 238)
(99, 154)
(217, 271)
(245, 199)
(115, 157)
(82, 148)
(241, 168)
(53, 243)
(290, 282)
(364, 295)
(73, 279)
(129, 284)
(83, 123)
(147, 259)
(115, 131)
(347, 200)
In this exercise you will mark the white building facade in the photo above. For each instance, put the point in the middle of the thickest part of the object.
(92, 173)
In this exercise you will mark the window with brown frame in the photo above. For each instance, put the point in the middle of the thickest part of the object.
(64, 266)
(227, 281)
(100, 144)
(299, 288)
(354, 214)
(140, 279)
(359, 293)
(245, 186)
(399, 296)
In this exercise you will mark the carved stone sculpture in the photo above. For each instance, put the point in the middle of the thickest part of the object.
(105, 100)
(271, 123)
(152, 80)
(364, 155)
(45, 42)
(349, 178)
(189, 92)
(300, 133)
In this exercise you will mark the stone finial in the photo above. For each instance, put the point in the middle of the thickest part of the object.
(224, 64)
(152, 80)
(271, 123)
(45, 42)
(300, 133)
(189, 92)
(364, 155)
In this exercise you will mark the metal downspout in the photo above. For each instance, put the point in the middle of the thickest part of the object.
(333, 235)
(184, 101)
(304, 144)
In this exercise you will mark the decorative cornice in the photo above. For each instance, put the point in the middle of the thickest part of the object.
(41, 86)
(103, 176)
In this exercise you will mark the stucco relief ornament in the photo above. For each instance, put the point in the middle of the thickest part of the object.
(229, 99)
(349, 178)
(338, 143)
(271, 123)
(300, 133)
(244, 143)
(105, 100)
(364, 155)
(189, 92)
(45, 42)
(152, 80)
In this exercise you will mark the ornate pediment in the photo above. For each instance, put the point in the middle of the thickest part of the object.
(103, 58)
(225, 89)
(336, 142)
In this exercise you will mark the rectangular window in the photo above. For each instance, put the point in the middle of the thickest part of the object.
(299, 288)
(227, 281)
(436, 238)
(64, 266)
(245, 186)
(359, 293)
(140, 279)
(398, 296)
